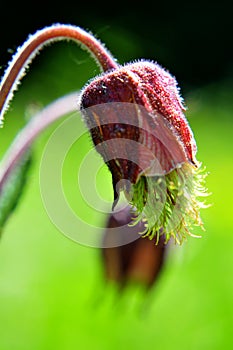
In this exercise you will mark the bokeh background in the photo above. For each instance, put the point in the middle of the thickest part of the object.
(53, 294)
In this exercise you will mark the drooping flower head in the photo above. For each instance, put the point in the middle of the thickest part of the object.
(136, 118)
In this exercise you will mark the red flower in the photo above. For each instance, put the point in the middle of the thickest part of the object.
(135, 116)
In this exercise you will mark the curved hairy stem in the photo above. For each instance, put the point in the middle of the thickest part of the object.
(28, 134)
(35, 42)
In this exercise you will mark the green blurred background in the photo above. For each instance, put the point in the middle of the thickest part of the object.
(53, 294)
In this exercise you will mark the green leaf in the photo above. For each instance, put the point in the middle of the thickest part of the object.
(13, 189)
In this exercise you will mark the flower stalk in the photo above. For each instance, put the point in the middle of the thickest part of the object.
(25, 138)
(32, 46)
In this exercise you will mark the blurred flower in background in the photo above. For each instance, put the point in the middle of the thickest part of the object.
(139, 262)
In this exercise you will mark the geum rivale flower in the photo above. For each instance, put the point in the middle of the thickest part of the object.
(136, 118)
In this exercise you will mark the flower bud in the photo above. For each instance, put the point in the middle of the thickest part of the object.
(139, 262)
(136, 120)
